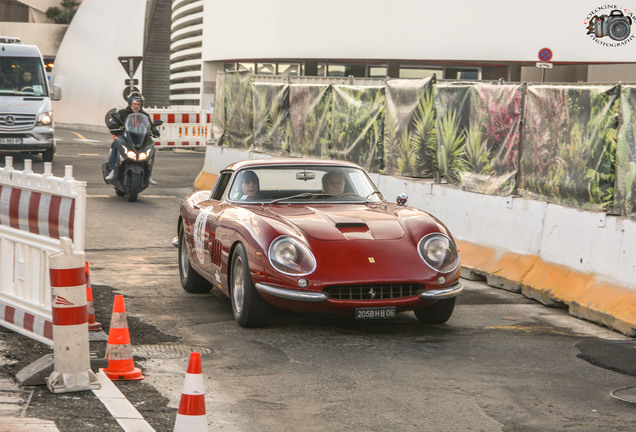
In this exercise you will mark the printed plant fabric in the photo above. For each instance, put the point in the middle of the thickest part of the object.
(357, 125)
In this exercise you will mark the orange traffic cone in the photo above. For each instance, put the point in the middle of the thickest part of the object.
(191, 414)
(118, 350)
(90, 307)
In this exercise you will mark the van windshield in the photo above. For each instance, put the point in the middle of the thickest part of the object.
(22, 76)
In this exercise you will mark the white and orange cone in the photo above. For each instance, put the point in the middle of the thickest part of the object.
(118, 351)
(191, 415)
(90, 307)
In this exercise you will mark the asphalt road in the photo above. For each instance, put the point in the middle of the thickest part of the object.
(501, 363)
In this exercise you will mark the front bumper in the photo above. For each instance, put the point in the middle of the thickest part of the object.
(313, 297)
(38, 139)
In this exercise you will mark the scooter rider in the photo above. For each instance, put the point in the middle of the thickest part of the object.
(116, 126)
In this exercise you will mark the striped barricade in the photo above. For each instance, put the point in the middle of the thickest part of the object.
(72, 370)
(182, 128)
(36, 210)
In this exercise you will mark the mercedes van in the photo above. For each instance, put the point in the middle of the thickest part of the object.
(26, 120)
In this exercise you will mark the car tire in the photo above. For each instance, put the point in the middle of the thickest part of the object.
(250, 309)
(436, 313)
(191, 281)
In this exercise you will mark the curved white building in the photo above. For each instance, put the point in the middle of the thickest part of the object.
(186, 45)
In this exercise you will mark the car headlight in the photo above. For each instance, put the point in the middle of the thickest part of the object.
(45, 118)
(291, 257)
(439, 252)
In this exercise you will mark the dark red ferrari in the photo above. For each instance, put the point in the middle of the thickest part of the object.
(314, 236)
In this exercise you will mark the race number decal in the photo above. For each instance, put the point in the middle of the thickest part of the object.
(199, 235)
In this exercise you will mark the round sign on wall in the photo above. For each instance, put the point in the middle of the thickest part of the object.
(545, 54)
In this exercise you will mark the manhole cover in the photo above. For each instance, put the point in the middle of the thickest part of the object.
(168, 350)
(627, 394)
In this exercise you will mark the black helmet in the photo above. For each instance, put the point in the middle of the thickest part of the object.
(135, 96)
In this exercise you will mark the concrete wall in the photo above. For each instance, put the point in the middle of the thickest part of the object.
(560, 256)
(488, 30)
(47, 37)
(87, 68)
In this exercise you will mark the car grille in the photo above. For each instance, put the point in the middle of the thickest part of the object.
(10, 121)
(372, 291)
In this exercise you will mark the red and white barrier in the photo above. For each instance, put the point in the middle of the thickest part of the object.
(36, 210)
(181, 128)
(72, 370)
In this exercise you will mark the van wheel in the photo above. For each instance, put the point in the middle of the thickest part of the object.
(47, 156)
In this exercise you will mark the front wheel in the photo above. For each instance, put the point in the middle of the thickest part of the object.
(436, 313)
(250, 309)
(134, 186)
(191, 281)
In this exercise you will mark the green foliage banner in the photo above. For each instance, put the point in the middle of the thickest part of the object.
(571, 150)
(357, 125)
(410, 140)
(238, 110)
(478, 135)
(625, 198)
(272, 127)
(569, 147)
(309, 112)
(218, 115)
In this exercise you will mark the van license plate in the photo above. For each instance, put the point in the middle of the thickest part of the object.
(10, 140)
(376, 312)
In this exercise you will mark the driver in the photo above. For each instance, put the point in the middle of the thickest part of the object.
(333, 183)
(116, 125)
(26, 81)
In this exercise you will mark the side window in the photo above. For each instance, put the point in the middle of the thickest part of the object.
(220, 186)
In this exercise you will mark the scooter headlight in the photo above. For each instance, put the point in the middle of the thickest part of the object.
(131, 155)
(142, 156)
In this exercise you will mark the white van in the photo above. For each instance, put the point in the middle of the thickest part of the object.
(26, 120)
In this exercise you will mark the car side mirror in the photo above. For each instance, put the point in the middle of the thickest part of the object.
(402, 199)
(57, 93)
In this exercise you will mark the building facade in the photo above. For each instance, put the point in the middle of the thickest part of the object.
(488, 40)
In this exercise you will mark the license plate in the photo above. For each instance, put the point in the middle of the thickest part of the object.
(10, 140)
(385, 312)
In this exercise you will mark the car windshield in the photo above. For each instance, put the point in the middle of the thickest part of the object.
(307, 183)
(22, 76)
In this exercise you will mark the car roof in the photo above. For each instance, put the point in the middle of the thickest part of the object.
(253, 163)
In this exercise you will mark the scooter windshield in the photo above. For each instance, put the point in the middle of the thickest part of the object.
(136, 128)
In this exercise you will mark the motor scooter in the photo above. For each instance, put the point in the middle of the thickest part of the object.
(135, 158)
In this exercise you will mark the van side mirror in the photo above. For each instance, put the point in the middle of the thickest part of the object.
(57, 93)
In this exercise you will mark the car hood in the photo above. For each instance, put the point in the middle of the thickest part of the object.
(342, 222)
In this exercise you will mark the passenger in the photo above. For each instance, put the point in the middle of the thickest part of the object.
(249, 187)
(333, 183)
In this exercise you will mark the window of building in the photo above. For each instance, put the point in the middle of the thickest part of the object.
(289, 69)
(266, 68)
(462, 73)
(417, 73)
(241, 67)
(376, 71)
